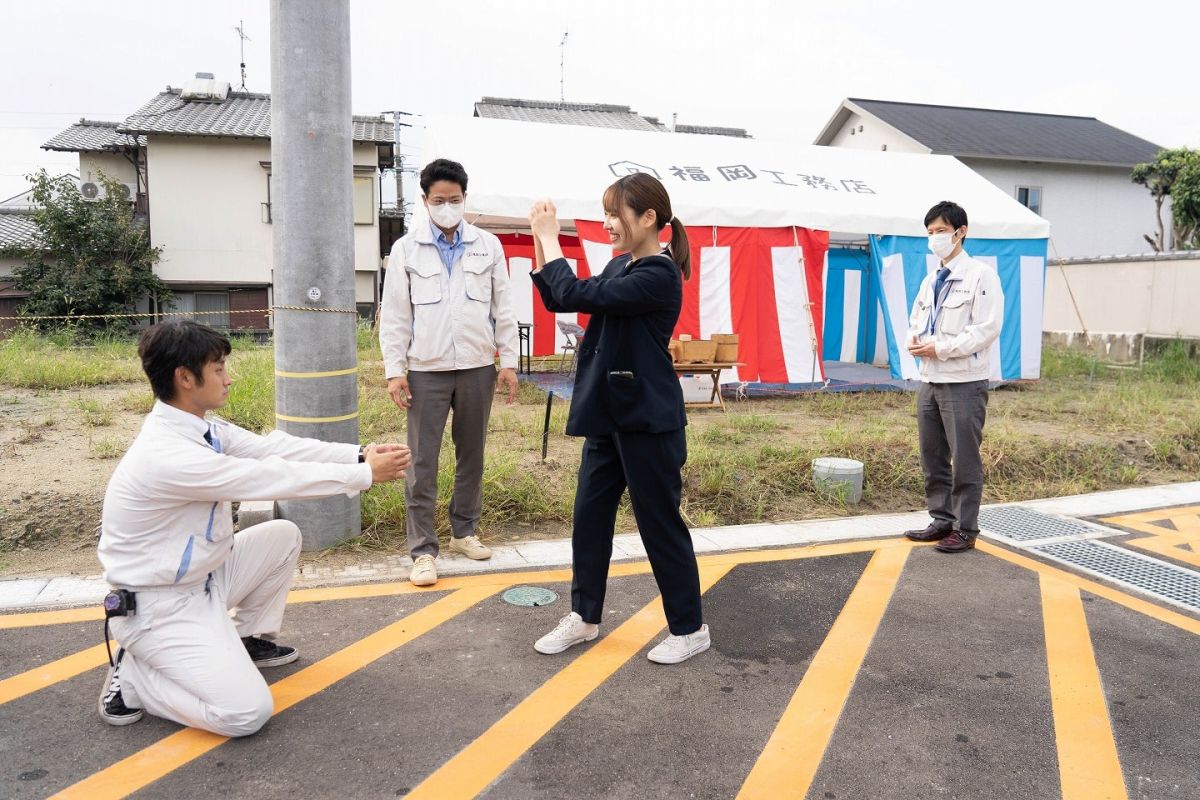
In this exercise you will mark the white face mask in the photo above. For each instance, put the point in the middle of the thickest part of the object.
(942, 244)
(447, 215)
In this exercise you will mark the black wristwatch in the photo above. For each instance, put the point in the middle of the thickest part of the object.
(362, 454)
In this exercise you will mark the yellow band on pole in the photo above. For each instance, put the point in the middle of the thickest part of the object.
(342, 418)
(330, 374)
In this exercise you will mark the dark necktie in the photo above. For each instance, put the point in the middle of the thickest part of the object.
(208, 437)
(938, 284)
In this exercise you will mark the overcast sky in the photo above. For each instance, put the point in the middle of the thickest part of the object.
(777, 68)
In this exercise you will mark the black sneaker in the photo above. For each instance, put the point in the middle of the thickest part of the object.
(265, 653)
(111, 705)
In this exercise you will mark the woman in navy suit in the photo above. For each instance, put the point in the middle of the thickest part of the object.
(628, 406)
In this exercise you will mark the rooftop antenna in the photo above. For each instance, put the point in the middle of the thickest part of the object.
(244, 38)
(562, 57)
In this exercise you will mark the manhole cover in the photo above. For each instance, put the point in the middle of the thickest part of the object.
(529, 596)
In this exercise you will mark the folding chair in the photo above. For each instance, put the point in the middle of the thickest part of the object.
(572, 333)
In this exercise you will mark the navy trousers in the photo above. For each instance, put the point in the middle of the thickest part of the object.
(649, 465)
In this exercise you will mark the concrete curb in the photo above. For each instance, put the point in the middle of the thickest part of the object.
(27, 594)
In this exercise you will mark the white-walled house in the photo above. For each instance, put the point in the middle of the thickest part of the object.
(1073, 171)
(16, 227)
(201, 169)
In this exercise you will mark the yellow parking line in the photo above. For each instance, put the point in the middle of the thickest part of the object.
(37, 618)
(1189, 528)
(78, 663)
(1088, 765)
(148, 765)
(1100, 590)
(1132, 520)
(786, 766)
(1182, 544)
(1169, 545)
(365, 590)
(47, 674)
(486, 759)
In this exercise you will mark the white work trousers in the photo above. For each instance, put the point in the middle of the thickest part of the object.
(184, 658)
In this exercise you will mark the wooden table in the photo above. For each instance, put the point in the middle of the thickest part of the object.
(712, 369)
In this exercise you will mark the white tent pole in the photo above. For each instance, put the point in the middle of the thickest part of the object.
(808, 306)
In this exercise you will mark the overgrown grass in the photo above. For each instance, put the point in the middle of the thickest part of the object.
(1174, 365)
(1082, 428)
(108, 447)
(93, 413)
(1059, 362)
(30, 361)
(137, 401)
(251, 402)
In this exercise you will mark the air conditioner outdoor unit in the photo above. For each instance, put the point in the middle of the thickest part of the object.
(93, 190)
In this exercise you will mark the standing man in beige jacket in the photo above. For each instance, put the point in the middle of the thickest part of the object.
(955, 320)
(447, 312)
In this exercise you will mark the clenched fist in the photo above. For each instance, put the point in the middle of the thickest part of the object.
(387, 461)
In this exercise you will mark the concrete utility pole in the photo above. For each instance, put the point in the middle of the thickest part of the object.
(316, 363)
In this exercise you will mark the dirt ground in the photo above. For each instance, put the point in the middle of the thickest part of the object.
(53, 483)
(54, 467)
(59, 448)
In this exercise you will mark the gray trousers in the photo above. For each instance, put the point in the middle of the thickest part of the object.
(950, 419)
(468, 392)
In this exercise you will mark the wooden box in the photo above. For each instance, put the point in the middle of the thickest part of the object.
(698, 351)
(727, 347)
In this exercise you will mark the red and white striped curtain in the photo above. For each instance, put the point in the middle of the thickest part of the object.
(763, 284)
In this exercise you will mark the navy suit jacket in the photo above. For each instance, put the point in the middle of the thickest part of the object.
(625, 381)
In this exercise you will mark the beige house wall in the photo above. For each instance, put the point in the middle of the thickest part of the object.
(1150, 296)
(7, 265)
(113, 165)
(208, 212)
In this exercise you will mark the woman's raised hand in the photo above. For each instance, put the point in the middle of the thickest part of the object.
(543, 220)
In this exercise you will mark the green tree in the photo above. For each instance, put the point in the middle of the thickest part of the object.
(1175, 174)
(87, 257)
(1185, 204)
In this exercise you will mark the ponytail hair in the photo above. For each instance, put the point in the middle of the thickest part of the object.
(681, 250)
(640, 193)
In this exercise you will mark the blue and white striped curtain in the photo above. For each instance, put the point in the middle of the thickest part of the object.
(900, 263)
(853, 329)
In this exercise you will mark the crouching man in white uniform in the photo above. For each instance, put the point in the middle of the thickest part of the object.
(207, 602)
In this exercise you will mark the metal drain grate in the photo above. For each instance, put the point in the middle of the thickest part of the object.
(1168, 582)
(1020, 524)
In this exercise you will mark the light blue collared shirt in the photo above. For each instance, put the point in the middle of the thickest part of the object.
(450, 251)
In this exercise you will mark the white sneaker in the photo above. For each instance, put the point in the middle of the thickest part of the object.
(471, 547)
(424, 573)
(674, 649)
(570, 631)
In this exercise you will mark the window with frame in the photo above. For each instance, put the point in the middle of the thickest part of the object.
(216, 304)
(1031, 198)
(364, 199)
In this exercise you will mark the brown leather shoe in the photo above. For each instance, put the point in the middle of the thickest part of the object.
(956, 542)
(928, 534)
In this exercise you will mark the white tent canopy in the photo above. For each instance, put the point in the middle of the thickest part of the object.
(750, 183)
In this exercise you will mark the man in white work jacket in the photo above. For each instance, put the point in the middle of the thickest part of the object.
(447, 312)
(204, 603)
(955, 320)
